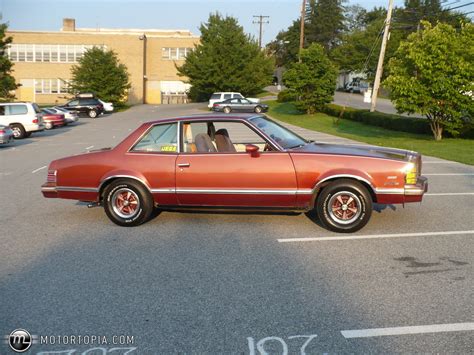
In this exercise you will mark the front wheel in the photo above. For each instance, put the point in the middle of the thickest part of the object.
(92, 113)
(227, 109)
(344, 206)
(258, 109)
(127, 203)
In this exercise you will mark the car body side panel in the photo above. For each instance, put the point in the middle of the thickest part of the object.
(236, 179)
(379, 174)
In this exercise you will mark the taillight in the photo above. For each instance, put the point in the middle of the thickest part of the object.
(215, 105)
(35, 120)
(51, 175)
(2, 131)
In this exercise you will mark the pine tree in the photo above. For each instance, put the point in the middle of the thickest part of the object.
(325, 23)
(226, 59)
(7, 81)
(100, 71)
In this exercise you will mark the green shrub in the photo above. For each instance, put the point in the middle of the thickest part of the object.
(389, 121)
(286, 96)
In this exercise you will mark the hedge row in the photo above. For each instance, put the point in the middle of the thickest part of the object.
(390, 121)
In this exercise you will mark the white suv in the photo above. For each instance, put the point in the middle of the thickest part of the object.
(221, 96)
(24, 118)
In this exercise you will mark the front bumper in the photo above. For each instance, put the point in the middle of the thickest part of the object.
(414, 193)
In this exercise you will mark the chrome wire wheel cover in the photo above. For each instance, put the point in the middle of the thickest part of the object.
(125, 203)
(344, 207)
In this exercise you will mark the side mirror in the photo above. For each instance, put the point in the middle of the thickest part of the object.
(252, 150)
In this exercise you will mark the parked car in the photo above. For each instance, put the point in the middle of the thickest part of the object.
(108, 106)
(70, 116)
(6, 134)
(244, 161)
(239, 105)
(85, 106)
(52, 119)
(357, 86)
(23, 118)
(221, 96)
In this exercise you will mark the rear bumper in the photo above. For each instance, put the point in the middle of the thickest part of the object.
(49, 190)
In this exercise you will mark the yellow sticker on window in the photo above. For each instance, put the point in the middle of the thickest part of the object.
(168, 148)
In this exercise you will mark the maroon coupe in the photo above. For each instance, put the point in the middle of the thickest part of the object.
(236, 162)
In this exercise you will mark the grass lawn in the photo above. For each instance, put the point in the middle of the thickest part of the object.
(460, 150)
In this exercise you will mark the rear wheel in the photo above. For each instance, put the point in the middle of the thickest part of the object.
(227, 109)
(127, 203)
(48, 125)
(258, 109)
(27, 134)
(344, 206)
(92, 113)
(18, 131)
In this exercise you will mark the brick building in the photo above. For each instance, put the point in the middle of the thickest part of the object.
(43, 60)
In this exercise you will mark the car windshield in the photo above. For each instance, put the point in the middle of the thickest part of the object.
(284, 137)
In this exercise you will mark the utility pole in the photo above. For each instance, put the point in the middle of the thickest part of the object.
(378, 74)
(261, 20)
(303, 13)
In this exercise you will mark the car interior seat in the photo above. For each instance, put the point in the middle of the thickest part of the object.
(204, 143)
(223, 142)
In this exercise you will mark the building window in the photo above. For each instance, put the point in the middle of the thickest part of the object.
(48, 52)
(51, 86)
(175, 53)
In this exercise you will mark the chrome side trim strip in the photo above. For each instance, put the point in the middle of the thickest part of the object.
(48, 189)
(233, 191)
(414, 192)
(76, 189)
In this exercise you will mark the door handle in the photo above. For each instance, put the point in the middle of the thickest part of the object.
(184, 165)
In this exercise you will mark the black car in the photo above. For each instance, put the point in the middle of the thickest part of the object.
(85, 106)
(240, 105)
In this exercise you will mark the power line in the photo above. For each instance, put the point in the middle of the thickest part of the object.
(261, 20)
(458, 7)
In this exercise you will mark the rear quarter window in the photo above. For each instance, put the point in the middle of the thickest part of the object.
(215, 96)
(18, 109)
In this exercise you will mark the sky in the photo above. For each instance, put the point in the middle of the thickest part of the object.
(47, 15)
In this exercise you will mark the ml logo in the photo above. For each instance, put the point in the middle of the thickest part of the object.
(20, 340)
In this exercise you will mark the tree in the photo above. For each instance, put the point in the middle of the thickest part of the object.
(285, 47)
(433, 74)
(325, 22)
(226, 59)
(7, 81)
(100, 71)
(312, 80)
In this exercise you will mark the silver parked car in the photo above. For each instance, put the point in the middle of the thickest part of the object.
(239, 105)
(69, 116)
(6, 134)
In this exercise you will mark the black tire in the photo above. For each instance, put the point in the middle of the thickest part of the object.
(18, 131)
(113, 200)
(227, 109)
(339, 216)
(92, 113)
(258, 109)
(27, 134)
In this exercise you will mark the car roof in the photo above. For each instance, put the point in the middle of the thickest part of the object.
(209, 116)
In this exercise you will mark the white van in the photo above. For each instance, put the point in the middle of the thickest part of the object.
(221, 96)
(24, 118)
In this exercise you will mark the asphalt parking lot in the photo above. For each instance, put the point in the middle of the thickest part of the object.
(231, 283)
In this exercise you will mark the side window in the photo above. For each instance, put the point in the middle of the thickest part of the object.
(227, 96)
(73, 103)
(238, 96)
(234, 101)
(159, 139)
(2, 110)
(219, 137)
(18, 109)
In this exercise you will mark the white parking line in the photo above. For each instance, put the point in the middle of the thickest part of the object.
(90, 147)
(440, 162)
(36, 170)
(450, 194)
(451, 174)
(373, 236)
(418, 329)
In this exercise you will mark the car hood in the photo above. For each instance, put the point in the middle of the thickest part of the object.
(358, 150)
